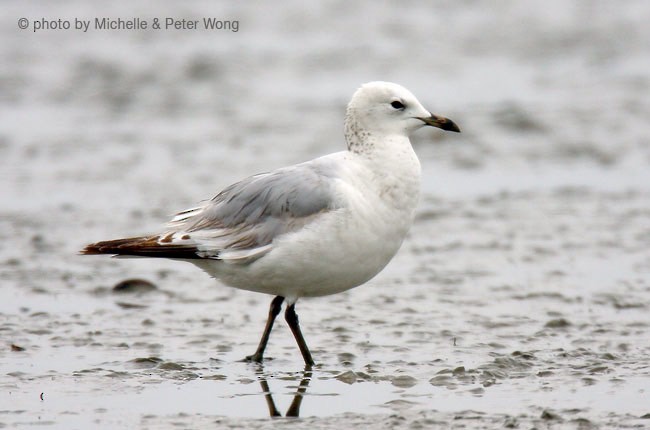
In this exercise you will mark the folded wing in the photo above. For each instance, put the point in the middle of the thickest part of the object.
(241, 222)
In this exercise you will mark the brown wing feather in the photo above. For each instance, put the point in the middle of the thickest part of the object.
(145, 246)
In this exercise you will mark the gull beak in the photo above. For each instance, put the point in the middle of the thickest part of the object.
(440, 122)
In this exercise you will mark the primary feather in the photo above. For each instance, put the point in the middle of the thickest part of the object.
(240, 223)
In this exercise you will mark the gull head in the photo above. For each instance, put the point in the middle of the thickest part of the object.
(388, 109)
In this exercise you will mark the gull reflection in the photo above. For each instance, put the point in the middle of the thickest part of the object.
(294, 408)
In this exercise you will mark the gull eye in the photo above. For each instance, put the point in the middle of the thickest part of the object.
(397, 105)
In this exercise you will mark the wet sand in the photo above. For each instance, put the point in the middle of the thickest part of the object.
(519, 300)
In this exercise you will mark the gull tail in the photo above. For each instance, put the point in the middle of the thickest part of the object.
(144, 246)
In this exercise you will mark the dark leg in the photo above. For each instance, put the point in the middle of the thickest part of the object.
(292, 320)
(273, 411)
(274, 310)
(294, 409)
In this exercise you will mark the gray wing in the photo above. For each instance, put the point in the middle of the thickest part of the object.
(240, 223)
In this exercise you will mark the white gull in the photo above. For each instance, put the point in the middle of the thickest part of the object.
(312, 229)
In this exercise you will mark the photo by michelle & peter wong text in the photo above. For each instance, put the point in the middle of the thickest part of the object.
(137, 24)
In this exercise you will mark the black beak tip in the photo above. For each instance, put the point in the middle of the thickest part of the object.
(441, 123)
(449, 125)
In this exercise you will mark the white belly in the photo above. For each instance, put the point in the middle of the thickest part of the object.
(334, 256)
(341, 249)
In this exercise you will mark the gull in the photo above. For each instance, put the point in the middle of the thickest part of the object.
(311, 229)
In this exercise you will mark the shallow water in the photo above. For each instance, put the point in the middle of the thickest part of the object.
(519, 300)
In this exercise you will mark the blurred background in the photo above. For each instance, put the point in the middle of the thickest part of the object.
(533, 233)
